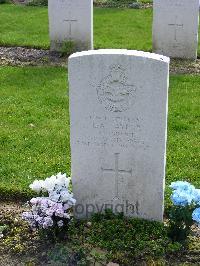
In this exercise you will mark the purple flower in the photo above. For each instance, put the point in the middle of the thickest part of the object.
(49, 212)
(60, 223)
(66, 206)
(59, 212)
(39, 220)
(58, 202)
(34, 201)
(44, 202)
(27, 215)
(48, 222)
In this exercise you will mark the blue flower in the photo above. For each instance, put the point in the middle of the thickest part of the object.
(182, 186)
(196, 195)
(181, 198)
(196, 215)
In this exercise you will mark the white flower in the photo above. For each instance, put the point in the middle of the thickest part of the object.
(62, 180)
(65, 196)
(72, 201)
(49, 183)
(54, 196)
(37, 185)
(67, 181)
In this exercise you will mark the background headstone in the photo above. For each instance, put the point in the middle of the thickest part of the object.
(175, 28)
(118, 114)
(71, 20)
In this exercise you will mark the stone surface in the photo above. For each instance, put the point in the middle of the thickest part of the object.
(175, 28)
(118, 110)
(71, 20)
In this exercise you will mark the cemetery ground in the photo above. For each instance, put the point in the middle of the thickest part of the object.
(28, 26)
(35, 144)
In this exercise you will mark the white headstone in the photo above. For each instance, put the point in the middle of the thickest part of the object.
(71, 20)
(175, 28)
(118, 110)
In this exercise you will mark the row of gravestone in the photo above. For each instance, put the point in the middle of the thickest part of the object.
(118, 110)
(175, 26)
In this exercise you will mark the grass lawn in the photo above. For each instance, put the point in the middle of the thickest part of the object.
(128, 28)
(183, 157)
(113, 28)
(34, 135)
(23, 26)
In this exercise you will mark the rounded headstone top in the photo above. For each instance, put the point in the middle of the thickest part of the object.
(135, 53)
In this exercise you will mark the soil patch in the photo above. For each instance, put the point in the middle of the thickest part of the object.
(19, 246)
(21, 56)
(179, 66)
(104, 4)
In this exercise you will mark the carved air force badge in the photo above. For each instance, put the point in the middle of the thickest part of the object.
(114, 92)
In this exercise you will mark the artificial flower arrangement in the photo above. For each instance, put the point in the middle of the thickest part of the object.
(185, 210)
(51, 212)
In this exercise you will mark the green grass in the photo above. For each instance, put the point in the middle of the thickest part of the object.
(23, 26)
(113, 28)
(183, 157)
(123, 28)
(34, 126)
(28, 26)
(34, 134)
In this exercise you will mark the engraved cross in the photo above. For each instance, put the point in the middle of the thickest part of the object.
(70, 21)
(117, 172)
(177, 26)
